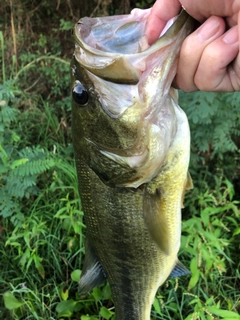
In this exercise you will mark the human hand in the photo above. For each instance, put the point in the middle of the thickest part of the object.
(209, 57)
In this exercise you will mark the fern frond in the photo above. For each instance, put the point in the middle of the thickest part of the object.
(33, 167)
(17, 186)
(8, 114)
(8, 207)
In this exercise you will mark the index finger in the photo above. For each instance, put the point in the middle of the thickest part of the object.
(162, 11)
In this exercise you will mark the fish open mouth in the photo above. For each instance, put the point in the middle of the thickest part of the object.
(123, 35)
(116, 49)
(132, 81)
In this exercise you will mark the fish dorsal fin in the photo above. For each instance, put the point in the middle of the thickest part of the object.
(179, 270)
(92, 272)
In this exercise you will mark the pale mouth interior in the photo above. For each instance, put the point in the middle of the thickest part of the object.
(124, 35)
(127, 39)
(115, 50)
(109, 38)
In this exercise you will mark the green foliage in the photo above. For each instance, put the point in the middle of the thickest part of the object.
(210, 237)
(144, 4)
(10, 301)
(214, 121)
(19, 167)
(66, 25)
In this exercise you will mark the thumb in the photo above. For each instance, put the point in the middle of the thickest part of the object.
(162, 11)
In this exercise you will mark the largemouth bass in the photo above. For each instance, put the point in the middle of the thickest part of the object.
(132, 146)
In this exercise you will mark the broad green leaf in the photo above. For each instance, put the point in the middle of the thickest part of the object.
(64, 293)
(205, 216)
(10, 301)
(190, 316)
(97, 294)
(236, 231)
(224, 313)
(66, 308)
(106, 292)
(86, 317)
(207, 257)
(39, 265)
(75, 275)
(194, 279)
(196, 300)
(25, 257)
(105, 313)
(194, 265)
(202, 315)
(156, 305)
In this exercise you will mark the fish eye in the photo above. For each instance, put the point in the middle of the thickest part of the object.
(80, 94)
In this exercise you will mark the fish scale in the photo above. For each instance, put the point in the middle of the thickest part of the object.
(132, 154)
(129, 238)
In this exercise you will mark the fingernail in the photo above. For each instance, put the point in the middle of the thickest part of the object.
(208, 29)
(231, 36)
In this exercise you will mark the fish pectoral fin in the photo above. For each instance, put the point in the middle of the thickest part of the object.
(189, 183)
(156, 221)
(179, 270)
(91, 278)
(174, 94)
(92, 272)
